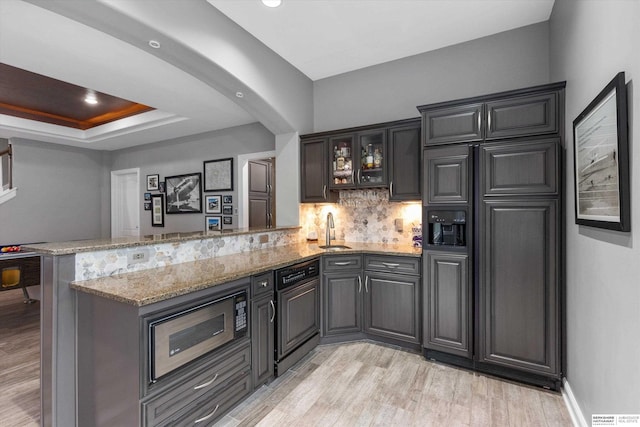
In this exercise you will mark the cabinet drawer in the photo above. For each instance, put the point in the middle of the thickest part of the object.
(524, 115)
(210, 378)
(392, 264)
(529, 167)
(341, 262)
(461, 123)
(210, 407)
(262, 284)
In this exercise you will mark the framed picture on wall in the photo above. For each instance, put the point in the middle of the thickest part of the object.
(227, 210)
(147, 206)
(601, 160)
(157, 210)
(183, 193)
(218, 175)
(227, 220)
(227, 199)
(212, 204)
(153, 182)
(212, 223)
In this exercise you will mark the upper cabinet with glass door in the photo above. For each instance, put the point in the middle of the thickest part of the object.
(358, 160)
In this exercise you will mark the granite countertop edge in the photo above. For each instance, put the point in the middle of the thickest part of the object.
(80, 246)
(135, 288)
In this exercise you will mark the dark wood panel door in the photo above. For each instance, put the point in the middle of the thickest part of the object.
(298, 315)
(392, 306)
(523, 115)
(342, 302)
(447, 174)
(262, 339)
(261, 194)
(405, 163)
(462, 123)
(518, 289)
(447, 302)
(526, 167)
(314, 172)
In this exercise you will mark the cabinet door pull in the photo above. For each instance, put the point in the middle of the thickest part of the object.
(358, 176)
(207, 384)
(391, 264)
(479, 121)
(366, 281)
(391, 189)
(489, 121)
(341, 263)
(206, 417)
(273, 314)
(324, 191)
(359, 284)
(264, 283)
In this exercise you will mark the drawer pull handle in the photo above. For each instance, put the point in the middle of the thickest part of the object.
(366, 282)
(207, 384)
(359, 284)
(206, 417)
(273, 307)
(342, 263)
(391, 264)
(264, 283)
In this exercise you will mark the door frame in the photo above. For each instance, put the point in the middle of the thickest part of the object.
(116, 197)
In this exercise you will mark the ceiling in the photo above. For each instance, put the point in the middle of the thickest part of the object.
(321, 38)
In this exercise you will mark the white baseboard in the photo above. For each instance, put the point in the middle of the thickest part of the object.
(572, 406)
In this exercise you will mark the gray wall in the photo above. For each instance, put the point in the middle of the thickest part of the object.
(60, 194)
(509, 60)
(182, 156)
(590, 42)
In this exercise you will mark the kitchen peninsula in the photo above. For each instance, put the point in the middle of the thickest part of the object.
(148, 272)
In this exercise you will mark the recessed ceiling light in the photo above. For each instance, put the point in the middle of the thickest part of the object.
(154, 44)
(272, 3)
(239, 94)
(91, 98)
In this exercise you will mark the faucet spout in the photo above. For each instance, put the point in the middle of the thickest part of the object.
(330, 225)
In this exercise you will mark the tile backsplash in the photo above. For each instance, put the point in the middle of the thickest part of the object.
(363, 216)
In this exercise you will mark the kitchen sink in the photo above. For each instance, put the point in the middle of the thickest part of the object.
(334, 247)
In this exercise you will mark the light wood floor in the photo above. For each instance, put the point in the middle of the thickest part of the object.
(19, 361)
(368, 384)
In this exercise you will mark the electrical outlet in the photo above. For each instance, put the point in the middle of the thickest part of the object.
(399, 224)
(264, 238)
(137, 257)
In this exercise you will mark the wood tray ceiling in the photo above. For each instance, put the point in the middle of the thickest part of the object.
(36, 97)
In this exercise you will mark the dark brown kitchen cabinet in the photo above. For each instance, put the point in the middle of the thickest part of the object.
(520, 167)
(342, 302)
(519, 310)
(461, 123)
(446, 175)
(447, 299)
(263, 312)
(405, 162)
(522, 115)
(314, 171)
(358, 160)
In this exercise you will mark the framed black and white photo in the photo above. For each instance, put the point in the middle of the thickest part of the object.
(227, 210)
(227, 220)
(157, 210)
(227, 199)
(183, 193)
(601, 160)
(212, 204)
(218, 175)
(161, 186)
(153, 182)
(147, 206)
(212, 223)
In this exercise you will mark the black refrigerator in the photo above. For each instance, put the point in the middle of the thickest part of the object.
(492, 244)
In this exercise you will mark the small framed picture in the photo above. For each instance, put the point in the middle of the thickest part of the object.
(147, 196)
(227, 220)
(212, 204)
(153, 182)
(218, 175)
(227, 199)
(147, 206)
(212, 223)
(161, 186)
(227, 210)
(157, 210)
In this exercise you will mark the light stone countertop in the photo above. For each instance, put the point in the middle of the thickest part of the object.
(145, 287)
(78, 246)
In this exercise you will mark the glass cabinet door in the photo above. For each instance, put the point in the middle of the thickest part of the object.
(372, 159)
(343, 163)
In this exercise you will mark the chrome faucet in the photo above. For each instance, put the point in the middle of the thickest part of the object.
(330, 225)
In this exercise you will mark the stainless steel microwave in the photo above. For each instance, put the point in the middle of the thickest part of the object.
(183, 336)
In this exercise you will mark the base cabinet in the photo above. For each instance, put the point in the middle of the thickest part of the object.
(343, 302)
(262, 339)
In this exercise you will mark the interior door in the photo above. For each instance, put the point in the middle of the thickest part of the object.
(261, 194)
(125, 203)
